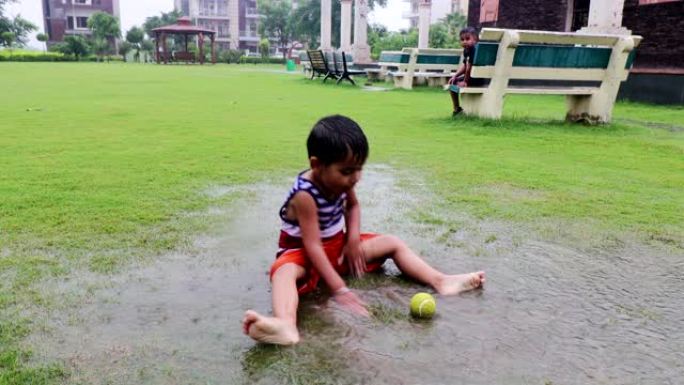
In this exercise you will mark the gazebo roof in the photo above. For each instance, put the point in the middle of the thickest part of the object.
(183, 26)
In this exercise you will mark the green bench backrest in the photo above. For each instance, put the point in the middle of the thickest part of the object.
(401, 58)
(438, 59)
(550, 56)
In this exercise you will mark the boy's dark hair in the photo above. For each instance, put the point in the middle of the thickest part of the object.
(469, 31)
(334, 138)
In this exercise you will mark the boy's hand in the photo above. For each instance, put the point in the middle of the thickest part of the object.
(355, 257)
(462, 84)
(350, 301)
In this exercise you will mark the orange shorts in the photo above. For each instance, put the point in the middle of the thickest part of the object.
(333, 249)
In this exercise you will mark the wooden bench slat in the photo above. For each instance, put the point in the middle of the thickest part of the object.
(536, 90)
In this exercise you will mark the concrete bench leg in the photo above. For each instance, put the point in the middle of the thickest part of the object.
(482, 105)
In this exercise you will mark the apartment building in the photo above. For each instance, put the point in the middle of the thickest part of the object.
(70, 17)
(438, 10)
(235, 21)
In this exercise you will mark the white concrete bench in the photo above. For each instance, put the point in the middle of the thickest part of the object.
(431, 66)
(554, 57)
(388, 61)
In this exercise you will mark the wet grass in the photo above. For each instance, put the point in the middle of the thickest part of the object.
(102, 162)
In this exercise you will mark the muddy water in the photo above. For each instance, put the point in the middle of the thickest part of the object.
(550, 314)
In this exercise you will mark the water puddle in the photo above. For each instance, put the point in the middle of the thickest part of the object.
(550, 314)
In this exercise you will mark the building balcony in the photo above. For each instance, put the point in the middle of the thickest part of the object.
(214, 16)
(249, 36)
(252, 13)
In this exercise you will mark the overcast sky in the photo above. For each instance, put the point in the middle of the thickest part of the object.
(134, 12)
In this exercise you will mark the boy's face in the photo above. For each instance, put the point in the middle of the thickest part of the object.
(468, 40)
(340, 177)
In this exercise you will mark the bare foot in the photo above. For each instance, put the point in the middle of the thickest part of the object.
(269, 330)
(454, 284)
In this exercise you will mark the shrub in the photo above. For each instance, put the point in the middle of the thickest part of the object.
(258, 60)
(230, 56)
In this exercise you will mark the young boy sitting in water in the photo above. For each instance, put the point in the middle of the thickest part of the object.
(320, 237)
(461, 78)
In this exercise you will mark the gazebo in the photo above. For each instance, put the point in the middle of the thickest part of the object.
(183, 27)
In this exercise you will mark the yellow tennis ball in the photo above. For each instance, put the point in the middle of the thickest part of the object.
(423, 305)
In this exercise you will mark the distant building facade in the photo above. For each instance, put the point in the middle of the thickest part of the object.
(438, 10)
(236, 22)
(70, 17)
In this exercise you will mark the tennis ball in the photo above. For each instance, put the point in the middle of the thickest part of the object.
(423, 305)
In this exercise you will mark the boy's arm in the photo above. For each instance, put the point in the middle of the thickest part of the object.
(459, 72)
(307, 216)
(466, 76)
(352, 250)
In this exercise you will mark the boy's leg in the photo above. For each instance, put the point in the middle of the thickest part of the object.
(454, 101)
(415, 267)
(281, 329)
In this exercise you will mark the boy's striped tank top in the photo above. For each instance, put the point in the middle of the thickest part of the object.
(330, 215)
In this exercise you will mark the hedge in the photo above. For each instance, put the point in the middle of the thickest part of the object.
(258, 60)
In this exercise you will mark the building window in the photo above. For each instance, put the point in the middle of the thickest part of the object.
(81, 22)
(85, 2)
(489, 11)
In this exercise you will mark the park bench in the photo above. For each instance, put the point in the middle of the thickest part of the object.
(594, 65)
(433, 66)
(319, 65)
(183, 56)
(388, 61)
(342, 70)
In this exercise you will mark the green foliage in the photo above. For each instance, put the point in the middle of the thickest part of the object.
(260, 60)
(19, 26)
(124, 48)
(7, 39)
(165, 18)
(135, 37)
(104, 26)
(33, 56)
(100, 47)
(277, 21)
(264, 48)
(42, 37)
(380, 40)
(230, 56)
(74, 45)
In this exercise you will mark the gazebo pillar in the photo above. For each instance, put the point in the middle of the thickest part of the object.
(424, 9)
(361, 48)
(185, 35)
(326, 15)
(164, 50)
(605, 16)
(213, 48)
(200, 43)
(345, 25)
(156, 46)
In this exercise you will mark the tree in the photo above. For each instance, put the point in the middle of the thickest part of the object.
(101, 47)
(104, 26)
(43, 38)
(19, 26)
(124, 48)
(264, 48)
(8, 39)
(74, 45)
(135, 37)
(147, 46)
(455, 22)
(276, 21)
(153, 22)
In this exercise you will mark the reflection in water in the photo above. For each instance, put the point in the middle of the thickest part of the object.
(549, 313)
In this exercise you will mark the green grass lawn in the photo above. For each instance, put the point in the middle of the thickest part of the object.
(99, 162)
